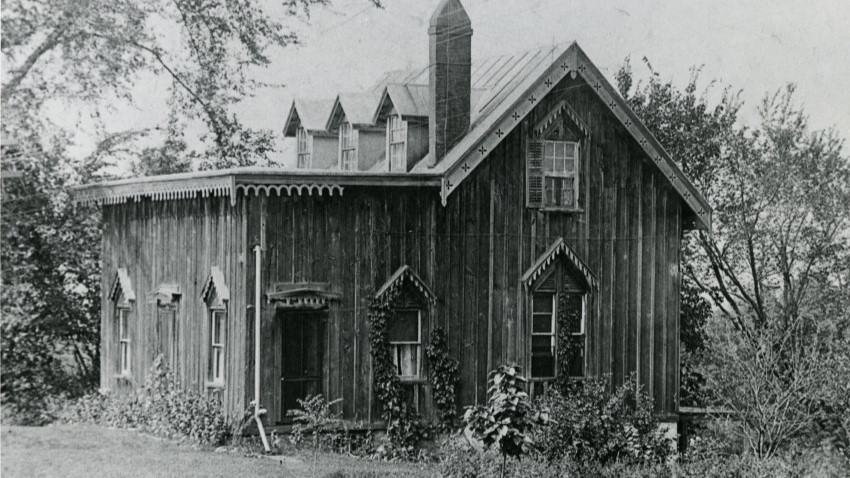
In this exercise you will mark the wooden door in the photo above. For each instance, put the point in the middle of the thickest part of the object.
(302, 358)
(166, 336)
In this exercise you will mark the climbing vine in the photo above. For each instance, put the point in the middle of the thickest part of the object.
(569, 345)
(403, 428)
(444, 376)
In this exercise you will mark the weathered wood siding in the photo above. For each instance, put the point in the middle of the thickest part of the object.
(471, 253)
(176, 241)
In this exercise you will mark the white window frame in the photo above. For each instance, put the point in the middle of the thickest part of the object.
(393, 346)
(304, 153)
(553, 344)
(124, 342)
(398, 126)
(553, 159)
(347, 162)
(217, 349)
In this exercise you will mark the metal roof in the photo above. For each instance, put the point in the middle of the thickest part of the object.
(358, 108)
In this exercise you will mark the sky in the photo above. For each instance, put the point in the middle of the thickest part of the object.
(756, 46)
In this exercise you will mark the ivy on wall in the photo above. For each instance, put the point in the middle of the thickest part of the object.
(444, 376)
(403, 428)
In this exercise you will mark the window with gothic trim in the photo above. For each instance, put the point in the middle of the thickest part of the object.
(405, 339)
(558, 309)
(397, 134)
(305, 146)
(347, 147)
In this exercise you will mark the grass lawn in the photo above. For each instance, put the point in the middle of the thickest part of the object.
(84, 451)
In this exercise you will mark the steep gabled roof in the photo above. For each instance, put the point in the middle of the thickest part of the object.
(505, 110)
(358, 108)
(311, 114)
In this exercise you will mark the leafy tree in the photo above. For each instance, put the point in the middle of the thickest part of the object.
(78, 58)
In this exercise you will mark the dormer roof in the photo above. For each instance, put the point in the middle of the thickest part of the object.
(357, 108)
(311, 114)
(409, 101)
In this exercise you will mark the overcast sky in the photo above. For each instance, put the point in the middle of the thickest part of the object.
(756, 46)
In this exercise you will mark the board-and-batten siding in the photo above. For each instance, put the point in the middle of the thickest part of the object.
(176, 242)
(471, 253)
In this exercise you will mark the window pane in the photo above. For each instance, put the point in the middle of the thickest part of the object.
(567, 192)
(559, 164)
(123, 324)
(542, 303)
(406, 360)
(577, 364)
(542, 365)
(541, 344)
(571, 149)
(542, 324)
(405, 327)
(570, 164)
(548, 164)
(549, 150)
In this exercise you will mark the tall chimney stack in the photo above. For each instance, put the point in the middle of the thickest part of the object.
(450, 72)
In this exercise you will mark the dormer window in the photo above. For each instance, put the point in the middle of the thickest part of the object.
(347, 147)
(305, 149)
(397, 150)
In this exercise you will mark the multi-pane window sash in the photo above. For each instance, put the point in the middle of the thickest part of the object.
(123, 342)
(543, 335)
(397, 135)
(217, 336)
(304, 149)
(348, 147)
(560, 173)
(405, 339)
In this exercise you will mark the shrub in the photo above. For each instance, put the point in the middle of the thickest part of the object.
(591, 424)
(313, 419)
(508, 418)
(160, 408)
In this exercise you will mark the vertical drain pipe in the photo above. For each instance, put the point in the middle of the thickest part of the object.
(257, 304)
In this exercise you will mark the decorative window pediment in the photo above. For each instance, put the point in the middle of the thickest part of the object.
(215, 292)
(122, 291)
(559, 248)
(406, 275)
(165, 294)
(302, 295)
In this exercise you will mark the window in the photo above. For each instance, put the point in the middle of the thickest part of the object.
(404, 336)
(123, 341)
(543, 335)
(347, 147)
(305, 146)
(560, 173)
(217, 336)
(397, 134)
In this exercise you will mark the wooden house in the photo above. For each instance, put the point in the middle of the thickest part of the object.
(539, 197)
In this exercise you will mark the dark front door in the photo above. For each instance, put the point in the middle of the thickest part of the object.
(302, 358)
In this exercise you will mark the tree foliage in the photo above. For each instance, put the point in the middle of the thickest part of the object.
(774, 267)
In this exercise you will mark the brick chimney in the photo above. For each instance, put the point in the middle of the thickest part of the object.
(450, 72)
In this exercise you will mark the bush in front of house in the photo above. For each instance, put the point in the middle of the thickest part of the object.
(591, 424)
(160, 407)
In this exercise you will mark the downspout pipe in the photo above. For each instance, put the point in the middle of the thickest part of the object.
(257, 316)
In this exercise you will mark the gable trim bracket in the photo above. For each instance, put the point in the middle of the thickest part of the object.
(542, 263)
(215, 281)
(398, 278)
